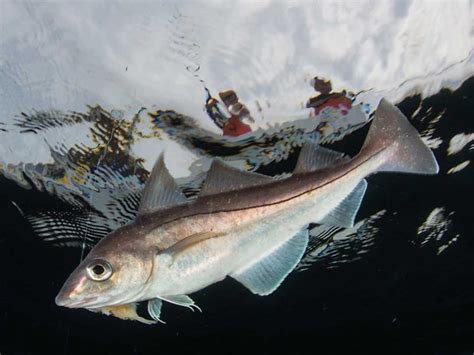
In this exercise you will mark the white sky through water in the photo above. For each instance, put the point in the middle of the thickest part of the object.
(128, 55)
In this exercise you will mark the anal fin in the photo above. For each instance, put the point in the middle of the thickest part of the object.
(344, 214)
(264, 276)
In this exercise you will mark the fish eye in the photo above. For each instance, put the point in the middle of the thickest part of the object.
(99, 270)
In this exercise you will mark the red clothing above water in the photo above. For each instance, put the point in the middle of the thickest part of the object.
(235, 127)
(340, 102)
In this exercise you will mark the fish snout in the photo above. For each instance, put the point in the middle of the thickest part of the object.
(71, 294)
(65, 300)
(61, 299)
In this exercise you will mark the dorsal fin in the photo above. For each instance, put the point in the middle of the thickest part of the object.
(222, 177)
(314, 157)
(160, 190)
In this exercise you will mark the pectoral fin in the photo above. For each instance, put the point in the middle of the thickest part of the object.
(264, 276)
(190, 241)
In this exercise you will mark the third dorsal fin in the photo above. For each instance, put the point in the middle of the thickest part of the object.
(222, 178)
(314, 157)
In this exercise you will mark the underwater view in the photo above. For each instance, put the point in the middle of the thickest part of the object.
(236, 177)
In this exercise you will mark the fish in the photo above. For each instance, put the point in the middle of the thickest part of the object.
(243, 225)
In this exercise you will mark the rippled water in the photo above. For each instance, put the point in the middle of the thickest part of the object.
(91, 94)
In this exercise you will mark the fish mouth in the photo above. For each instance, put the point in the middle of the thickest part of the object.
(67, 302)
(88, 303)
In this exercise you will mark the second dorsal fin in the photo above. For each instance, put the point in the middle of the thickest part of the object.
(222, 178)
(160, 189)
(314, 157)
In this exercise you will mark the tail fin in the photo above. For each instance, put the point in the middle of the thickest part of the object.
(391, 130)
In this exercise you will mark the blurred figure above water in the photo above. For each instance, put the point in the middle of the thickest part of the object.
(232, 123)
(327, 98)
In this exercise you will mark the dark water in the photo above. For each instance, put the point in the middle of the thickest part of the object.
(403, 296)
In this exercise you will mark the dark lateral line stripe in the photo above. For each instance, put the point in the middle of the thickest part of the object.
(281, 201)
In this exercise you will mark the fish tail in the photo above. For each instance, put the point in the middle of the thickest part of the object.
(390, 131)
